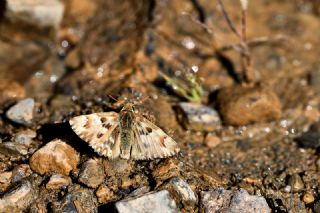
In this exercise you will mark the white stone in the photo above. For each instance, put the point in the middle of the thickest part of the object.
(40, 13)
(155, 202)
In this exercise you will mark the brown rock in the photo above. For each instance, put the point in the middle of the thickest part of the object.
(165, 170)
(56, 156)
(241, 105)
(11, 91)
(91, 173)
(104, 194)
(5, 181)
(58, 181)
(73, 59)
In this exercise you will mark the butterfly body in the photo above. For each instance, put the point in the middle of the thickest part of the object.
(126, 122)
(125, 134)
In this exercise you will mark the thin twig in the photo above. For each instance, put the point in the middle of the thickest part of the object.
(226, 16)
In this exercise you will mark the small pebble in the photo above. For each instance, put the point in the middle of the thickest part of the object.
(25, 137)
(91, 173)
(57, 181)
(296, 183)
(104, 194)
(22, 112)
(20, 172)
(154, 202)
(183, 190)
(212, 141)
(73, 59)
(54, 157)
(308, 198)
(198, 117)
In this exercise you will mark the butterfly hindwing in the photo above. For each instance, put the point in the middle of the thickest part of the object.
(150, 142)
(100, 130)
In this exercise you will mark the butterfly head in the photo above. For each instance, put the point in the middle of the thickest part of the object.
(128, 107)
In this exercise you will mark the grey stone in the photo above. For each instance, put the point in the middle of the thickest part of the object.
(77, 200)
(25, 137)
(22, 112)
(11, 149)
(91, 173)
(40, 13)
(154, 202)
(183, 190)
(198, 117)
(296, 183)
(18, 199)
(228, 201)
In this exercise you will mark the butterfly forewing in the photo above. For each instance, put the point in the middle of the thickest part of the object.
(100, 130)
(150, 142)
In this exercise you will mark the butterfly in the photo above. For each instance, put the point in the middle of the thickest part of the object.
(126, 134)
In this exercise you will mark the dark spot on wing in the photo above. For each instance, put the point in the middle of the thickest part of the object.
(149, 129)
(106, 125)
(103, 119)
(141, 132)
(99, 135)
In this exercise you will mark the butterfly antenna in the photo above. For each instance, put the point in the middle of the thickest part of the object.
(110, 96)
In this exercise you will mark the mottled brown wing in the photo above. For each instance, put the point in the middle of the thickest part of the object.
(101, 131)
(150, 142)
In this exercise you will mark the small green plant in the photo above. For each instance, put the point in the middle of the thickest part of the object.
(189, 87)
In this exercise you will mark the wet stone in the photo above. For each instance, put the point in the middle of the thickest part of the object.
(22, 112)
(155, 202)
(183, 190)
(39, 13)
(54, 157)
(221, 200)
(240, 105)
(91, 173)
(296, 183)
(18, 199)
(198, 117)
(311, 138)
(57, 181)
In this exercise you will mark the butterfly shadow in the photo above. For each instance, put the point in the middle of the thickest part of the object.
(63, 131)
